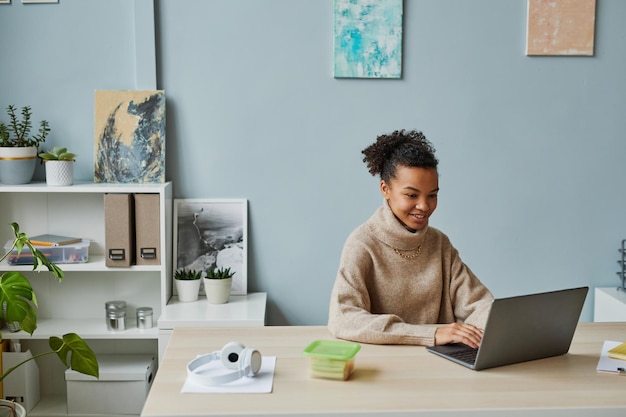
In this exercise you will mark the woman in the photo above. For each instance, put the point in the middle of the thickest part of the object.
(399, 280)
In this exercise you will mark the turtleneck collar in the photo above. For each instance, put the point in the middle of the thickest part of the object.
(392, 232)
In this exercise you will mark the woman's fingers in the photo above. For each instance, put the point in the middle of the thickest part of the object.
(458, 333)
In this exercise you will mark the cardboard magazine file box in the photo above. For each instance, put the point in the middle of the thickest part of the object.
(147, 230)
(119, 230)
(21, 385)
(124, 383)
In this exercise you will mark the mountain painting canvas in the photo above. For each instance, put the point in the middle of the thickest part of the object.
(129, 136)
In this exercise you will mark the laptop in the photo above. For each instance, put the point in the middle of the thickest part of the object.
(522, 328)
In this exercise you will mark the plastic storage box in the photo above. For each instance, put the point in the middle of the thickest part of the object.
(123, 386)
(64, 254)
(331, 359)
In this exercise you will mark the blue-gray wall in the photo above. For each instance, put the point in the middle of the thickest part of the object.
(531, 148)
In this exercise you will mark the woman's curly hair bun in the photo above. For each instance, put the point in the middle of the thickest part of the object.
(400, 148)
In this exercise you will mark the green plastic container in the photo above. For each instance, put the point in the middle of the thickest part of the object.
(331, 359)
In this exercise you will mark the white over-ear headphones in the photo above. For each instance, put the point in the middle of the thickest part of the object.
(245, 361)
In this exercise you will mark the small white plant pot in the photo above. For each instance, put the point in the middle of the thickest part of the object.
(187, 289)
(217, 290)
(59, 173)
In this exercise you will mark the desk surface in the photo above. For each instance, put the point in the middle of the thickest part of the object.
(394, 380)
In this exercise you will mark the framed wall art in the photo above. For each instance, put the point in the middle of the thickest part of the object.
(563, 28)
(211, 233)
(368, 38)
(129, 136)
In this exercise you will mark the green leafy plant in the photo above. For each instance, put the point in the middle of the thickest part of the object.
(19, 303)
(17, 132)
(57, 153)
(219, 273)
(187, 274)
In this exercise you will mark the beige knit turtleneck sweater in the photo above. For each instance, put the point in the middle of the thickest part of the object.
(382, 297)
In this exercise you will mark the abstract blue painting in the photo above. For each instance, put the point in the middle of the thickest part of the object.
(368, 39)
(129, 136)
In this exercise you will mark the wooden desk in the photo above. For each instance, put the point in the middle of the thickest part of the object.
(394, 380)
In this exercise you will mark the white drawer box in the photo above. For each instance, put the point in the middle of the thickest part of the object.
(123, 386)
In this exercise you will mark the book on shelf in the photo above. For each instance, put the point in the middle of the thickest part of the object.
(618, 352)
(53, 240)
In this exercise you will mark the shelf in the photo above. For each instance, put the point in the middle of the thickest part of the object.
(56, 405)
(50, 406)
(96, 264)
(85, 328)
(81, 187)
(241, 310)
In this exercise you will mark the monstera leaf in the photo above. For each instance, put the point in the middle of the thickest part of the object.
(18, 301)
(82, 358)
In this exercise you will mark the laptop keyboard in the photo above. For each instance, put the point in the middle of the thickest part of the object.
(465, 355)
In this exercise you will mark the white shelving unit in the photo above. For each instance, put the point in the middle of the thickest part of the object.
(77, 303)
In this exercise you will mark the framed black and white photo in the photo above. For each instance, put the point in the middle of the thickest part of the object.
(212, 233)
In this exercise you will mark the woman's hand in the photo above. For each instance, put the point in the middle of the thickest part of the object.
(458, 333)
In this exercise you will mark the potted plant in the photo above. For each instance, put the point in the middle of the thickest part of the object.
(19, 305)
(18, 148)
(59, 166)
(187, 284)
(217, 285)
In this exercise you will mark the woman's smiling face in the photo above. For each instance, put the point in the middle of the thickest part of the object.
(412, 195)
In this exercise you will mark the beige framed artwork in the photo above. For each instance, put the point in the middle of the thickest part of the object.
(563, 27)
(129, 136)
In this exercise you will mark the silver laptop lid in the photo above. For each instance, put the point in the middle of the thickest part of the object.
(526, 327)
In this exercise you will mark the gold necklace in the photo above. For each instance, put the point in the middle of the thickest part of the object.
(415, 254)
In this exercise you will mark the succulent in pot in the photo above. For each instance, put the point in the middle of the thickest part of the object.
(57, 153)
(18, 148)
(187, 284)
(59, 166)
(217, 285)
